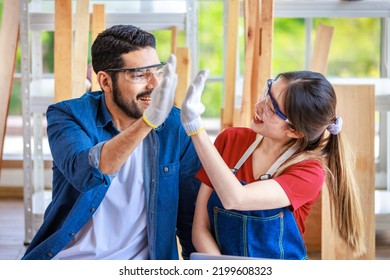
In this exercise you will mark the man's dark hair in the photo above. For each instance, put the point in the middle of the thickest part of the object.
(112, 43)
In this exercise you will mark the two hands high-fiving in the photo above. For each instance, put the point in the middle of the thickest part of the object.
(162, 99)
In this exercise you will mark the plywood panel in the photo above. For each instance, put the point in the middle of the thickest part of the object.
(63, 50)
(356, 105)
(9, 37)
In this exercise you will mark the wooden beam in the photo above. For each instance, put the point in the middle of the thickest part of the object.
(183, 74)
(242, 116)
(319, 59)
(14, 192)
(9, 37)
(313, 226)
(80, 54)
(63, 50)
(18, 163)
(174, 39)
(98, 25)
(231, 62)
(263, 66)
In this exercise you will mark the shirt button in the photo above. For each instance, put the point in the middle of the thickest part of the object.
(71, 234)
(166, 169)
(49, 255)
(92, 209)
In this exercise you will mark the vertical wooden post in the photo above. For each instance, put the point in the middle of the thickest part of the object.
(63, 50)
(242, 115)
(80, 48)
(318, 63)
(319, 59)
(9, 37)
(259, 15)
(264, 66)
(183, 74)
(174, 39)
(98, 25)
(254, 83)
(231, 62)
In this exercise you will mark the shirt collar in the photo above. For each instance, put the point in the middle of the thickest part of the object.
(104, 116)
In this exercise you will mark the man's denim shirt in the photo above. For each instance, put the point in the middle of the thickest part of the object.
(77, 129)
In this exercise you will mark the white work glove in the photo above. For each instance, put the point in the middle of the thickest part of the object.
(162, 96)
(192, 107)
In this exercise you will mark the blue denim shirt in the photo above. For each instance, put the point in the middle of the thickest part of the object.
(77, 128)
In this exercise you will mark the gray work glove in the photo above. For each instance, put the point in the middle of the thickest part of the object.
(192, 107)
(162, 96)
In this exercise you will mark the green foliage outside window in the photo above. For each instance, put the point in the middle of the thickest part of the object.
(211, 53)
(288, 53)
(355, 48)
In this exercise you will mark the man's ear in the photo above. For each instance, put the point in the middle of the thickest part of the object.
(294, 134)
(104, 81)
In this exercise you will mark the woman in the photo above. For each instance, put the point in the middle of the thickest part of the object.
(259, 184)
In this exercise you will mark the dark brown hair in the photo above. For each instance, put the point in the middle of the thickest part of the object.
(310, 105)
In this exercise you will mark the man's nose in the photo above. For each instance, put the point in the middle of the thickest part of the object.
(153, 81)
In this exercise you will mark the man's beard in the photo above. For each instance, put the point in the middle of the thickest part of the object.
(131, 110)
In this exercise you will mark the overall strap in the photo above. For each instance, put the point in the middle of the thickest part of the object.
(268, 175)
(247, 153)
(285, 156)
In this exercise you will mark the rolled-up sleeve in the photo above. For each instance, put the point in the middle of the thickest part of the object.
(94, 157)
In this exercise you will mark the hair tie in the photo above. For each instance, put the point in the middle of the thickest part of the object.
(335, 128)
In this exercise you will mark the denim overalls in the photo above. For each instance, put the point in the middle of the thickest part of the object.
(270, 233)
